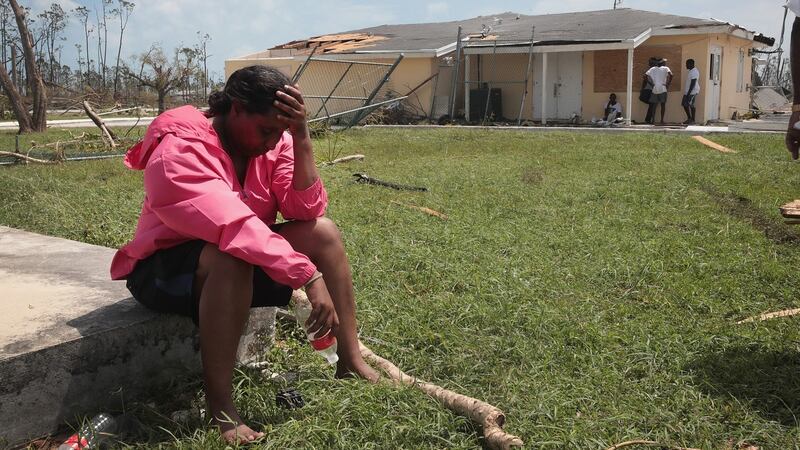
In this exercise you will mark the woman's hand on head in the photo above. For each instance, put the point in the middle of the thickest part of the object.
(292, 111)
(323, 314)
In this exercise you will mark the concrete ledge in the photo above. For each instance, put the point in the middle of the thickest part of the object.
(73, 342)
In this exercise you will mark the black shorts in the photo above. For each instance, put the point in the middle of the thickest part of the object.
(658, 98)
(688, 100)
(164, 282)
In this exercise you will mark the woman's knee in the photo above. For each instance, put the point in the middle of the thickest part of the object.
(326, 233)
(212, 259)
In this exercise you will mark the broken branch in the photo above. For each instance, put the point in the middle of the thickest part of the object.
(428, 211)
(343, 160)
(99, 122)
(488, 416)
(363, 178)
(768, 316)
(27, 158)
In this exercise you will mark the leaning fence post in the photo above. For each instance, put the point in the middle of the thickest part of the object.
(454, 84)
(527, 75)
(374, 92)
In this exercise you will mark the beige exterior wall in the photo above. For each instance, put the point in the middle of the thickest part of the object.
(730, 99)
(408, 74)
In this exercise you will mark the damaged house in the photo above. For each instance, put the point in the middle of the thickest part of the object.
(555, 67)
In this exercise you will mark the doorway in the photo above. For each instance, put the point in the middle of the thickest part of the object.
(714, 83)
(564, 85)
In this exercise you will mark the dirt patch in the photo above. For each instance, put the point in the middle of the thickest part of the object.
(532, 175)
(744, 209)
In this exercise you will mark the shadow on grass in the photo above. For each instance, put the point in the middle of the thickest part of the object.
(767, 381)
(743, 208)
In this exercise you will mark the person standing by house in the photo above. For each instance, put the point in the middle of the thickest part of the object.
(690, 91)
(660, 77)
(647, 91)
(793, 133)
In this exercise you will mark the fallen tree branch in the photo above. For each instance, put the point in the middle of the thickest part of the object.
(488, 416)
(99, 122)
(768, 316)
(648, 444)
(27, 158)
(364, 178)
(428, 211)
(343, 159)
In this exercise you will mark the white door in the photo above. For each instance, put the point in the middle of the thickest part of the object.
(714, 83)
(564, 85)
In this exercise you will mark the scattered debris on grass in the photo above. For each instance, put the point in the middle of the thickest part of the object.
(772, 315)
(791, 212)
(648, 444)
(343, 159)
(428, 211)
(713, 145)
(364, 178)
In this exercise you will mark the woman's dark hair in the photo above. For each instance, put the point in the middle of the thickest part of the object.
(253, 87)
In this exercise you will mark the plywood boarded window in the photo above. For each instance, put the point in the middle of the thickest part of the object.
(611, 67)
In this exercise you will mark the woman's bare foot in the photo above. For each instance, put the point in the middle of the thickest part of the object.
(356, 369)
(232, 427)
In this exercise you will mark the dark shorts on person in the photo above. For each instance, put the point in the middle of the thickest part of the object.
(688, 100)
(658, 98)
(164, 282)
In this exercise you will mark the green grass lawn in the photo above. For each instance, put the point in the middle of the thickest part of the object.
(588, 285)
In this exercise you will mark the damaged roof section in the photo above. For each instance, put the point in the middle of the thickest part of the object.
(329, 43)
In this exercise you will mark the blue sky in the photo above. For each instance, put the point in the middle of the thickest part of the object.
(246, 26)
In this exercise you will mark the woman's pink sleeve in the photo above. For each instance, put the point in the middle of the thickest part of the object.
(307, 204)
(191, 198)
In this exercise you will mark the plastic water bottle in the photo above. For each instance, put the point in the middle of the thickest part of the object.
(324, 345)
(93, 435)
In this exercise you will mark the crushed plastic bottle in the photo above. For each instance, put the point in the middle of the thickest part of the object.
(93, 435)
(324, 345)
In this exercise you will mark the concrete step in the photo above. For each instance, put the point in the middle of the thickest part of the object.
(73, 342)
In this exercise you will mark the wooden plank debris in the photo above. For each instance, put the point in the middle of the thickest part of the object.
(713, 145)
(791, 212)
(768, 316)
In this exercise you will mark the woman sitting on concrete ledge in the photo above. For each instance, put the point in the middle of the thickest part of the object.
(207, 245)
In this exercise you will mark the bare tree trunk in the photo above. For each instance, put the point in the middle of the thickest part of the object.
(17, 103)
(161, 101)
(39, 117)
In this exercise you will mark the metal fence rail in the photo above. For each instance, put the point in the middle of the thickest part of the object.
(341, 91)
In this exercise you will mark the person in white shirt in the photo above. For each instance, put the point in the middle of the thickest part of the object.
(660, 77)
(793, 133)
(612, 110)
(690, 91)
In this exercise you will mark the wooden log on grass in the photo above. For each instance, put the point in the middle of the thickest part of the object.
(343, 159)
(102, 125)
(791, 212)
(489, 417)
(769, 316)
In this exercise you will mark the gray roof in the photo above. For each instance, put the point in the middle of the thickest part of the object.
(591, 26)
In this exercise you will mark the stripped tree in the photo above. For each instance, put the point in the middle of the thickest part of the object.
(123, 12)
(159, 73)
(38, 120)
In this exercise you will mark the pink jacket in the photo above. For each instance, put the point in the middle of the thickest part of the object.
(191, 192)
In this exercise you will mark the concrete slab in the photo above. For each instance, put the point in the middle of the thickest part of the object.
(73, 342)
